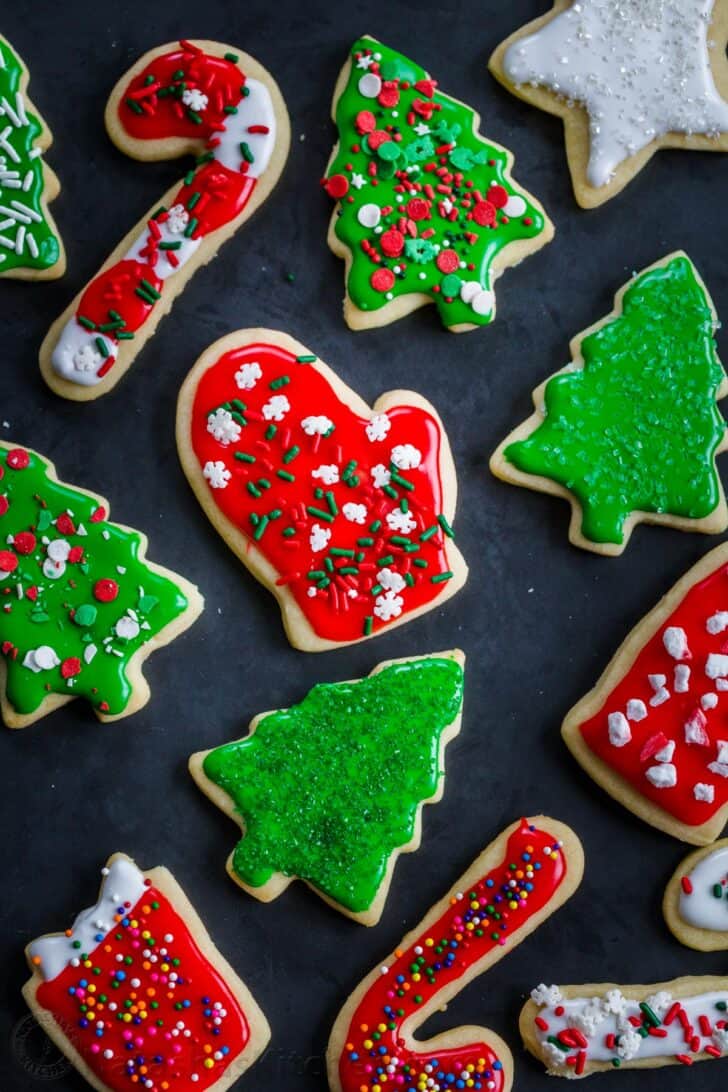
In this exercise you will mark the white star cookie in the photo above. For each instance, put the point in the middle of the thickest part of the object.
(627, 78)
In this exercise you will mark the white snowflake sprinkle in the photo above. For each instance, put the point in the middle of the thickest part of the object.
(217, 474)
(378, 427)
(248, 375)
(222, 425)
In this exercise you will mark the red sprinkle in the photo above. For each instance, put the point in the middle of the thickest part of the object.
(106, 590)
(687, 885)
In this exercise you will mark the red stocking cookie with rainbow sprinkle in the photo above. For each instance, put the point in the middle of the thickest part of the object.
(654, 730)
(193, 98)
(522, 877)
(344, 511)
(427, 210)
(136, 995)
(82, 606)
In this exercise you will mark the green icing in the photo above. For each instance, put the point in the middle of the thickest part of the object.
(481, 164)
(64, 615)
(637, 427)
(39, 246)
(328, 789)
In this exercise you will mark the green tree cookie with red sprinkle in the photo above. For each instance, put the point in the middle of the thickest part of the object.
(80, 607)
(427, 210)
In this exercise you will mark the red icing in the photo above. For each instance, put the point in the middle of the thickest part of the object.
(333, 613)
(167, 116)
(145, 1049)
(445, 951)
(116, 290)
(667, 721)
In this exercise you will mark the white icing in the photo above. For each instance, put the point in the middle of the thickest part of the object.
(255, 109)
(121, 884)
(702, 909)
(640, 68)
(76, 356)
(585, 1012)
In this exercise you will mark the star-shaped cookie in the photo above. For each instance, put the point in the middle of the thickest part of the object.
(627, 78)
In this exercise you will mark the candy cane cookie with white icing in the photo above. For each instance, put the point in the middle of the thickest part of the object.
(136, 995)
(579, 1030)
(696, 899)
(518, 881)
(626, 79)
(196, 98)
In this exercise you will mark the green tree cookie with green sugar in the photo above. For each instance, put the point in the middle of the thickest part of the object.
(427, 211)
(81, 607)
(30, 246)
(629, 431)
(331, 790)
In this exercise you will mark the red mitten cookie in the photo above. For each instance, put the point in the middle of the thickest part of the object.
(343, 511)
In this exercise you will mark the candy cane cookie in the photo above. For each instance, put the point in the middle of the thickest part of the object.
(196, 98)
(579, 1030)
(526, 874)
(136, 995)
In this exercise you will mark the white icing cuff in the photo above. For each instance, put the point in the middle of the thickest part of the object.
(122, 883)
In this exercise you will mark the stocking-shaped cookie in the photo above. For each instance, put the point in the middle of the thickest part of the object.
(136, 995)
(531, 869)
(343, 511)
(199, 98)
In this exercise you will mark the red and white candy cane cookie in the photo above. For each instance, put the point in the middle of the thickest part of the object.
(526, 874)
(344, 511)
(193, 98)
(136, 995)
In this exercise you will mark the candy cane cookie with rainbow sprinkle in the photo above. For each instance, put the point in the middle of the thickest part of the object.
(196, 98)
(527, 873)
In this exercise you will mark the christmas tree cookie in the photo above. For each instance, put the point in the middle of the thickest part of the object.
(331, 790)
(30, 246)
(628, 431)
(344, 511)
(82, 608)
(427, 211)
(136, 995)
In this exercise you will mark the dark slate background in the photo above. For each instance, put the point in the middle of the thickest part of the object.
(538, 618)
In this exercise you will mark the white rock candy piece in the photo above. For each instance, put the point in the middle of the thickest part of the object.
(636, 709)
(660, 696)
(717, 622)
(720, 766)
(675, 641)
(704, 792)
(663, 776)
(695, 732)
(619, 731)
(665, 753)
(682, 678)
(709, 700)
(716, 666)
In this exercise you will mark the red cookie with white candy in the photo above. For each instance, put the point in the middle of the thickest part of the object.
(344, 511)
(654, 730)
